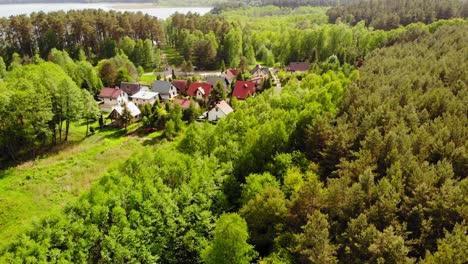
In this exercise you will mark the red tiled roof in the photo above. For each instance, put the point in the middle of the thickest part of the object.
(243, 89)
(234, 71)
(183, 102)
(180, 85)
(110, 93)
(229, 75)
(192, 90)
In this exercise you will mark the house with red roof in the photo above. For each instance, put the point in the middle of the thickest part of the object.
(243, 89)
(112, 97)
(200, 90)
(230, 75)
(180, 85)
(184, 103)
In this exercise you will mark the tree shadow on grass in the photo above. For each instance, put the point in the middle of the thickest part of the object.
(112, 132)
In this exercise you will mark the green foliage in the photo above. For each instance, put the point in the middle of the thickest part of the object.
(122, 76)
(341, 166)
(127, 45)
(452, 248)
(41, 99)
(132, 216)
(68, 31)
(116, 69)
(3, 71)
(313, 244)
(191, 113)
(218, 94)
(385, 14)
(255, 184)
(264, 214)
(126, 118)
(229, 243)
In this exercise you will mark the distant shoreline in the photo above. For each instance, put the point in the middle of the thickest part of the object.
(115, 5)
(146, 5)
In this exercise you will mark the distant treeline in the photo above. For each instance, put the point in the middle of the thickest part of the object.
(285, 3)
(226, 5)
(71, 1)
(296, 3)
(389, 14)
(93, 31)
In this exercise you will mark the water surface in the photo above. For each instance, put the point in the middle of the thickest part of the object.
(160, 12)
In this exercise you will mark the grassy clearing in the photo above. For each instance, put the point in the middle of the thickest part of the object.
(47, 184)
(147, 78)
(173, 56)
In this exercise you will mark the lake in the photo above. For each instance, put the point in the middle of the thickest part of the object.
(160, 12)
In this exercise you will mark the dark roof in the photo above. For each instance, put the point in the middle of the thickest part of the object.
(298, 66)
(162, 87)
(181, 85)
(214, 79)
(258, 67)
(130, 88)
(243, 89)
(113, 93)
(192, 90)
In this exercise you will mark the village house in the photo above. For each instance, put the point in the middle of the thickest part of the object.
(112, 97)
(130, 88)
(298, 67)
(181, 86)
(116, 114)
(243, 89)
(221, 110)
(213, 80)
(200, 90)
(230, 75)
(184, 103)
(145, 97)
(258, 82)
(165, 89)
(260, 72)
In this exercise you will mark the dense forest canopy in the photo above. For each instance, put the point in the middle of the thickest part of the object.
(95, 32)
(385, 14)
(340, 167)
(361, 159)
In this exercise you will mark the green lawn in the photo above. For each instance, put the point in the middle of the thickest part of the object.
(147, 78)
(173, 56)
(37, 187)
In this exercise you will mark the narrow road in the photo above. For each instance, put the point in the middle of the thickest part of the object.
(278, 89)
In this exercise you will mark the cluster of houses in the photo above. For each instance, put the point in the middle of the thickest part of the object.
(133, 95)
